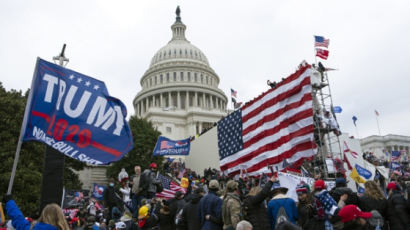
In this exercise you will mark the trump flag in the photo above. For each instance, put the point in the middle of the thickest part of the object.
(74, 114)
(167, 146)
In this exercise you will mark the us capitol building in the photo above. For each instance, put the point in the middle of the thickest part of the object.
(180, 93)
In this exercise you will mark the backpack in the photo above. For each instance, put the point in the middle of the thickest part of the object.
(281, 216)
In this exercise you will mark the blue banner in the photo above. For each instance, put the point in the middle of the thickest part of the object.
(167, 146)
(395, 165)
(337, 109)
(363, 172)
(98, 191)
(74, 114)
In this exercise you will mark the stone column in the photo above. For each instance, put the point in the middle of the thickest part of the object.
(196, 99)
(161, 103)
(169, 99)
(146, 104)
(186, 100)
(203, 100)
(179, 100)
(200, 127)
(211, 101)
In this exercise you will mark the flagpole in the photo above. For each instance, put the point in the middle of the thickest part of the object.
(378, 127)
(357, 132)
(22, 130)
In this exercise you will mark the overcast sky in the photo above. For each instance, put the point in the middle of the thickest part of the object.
(246, 43)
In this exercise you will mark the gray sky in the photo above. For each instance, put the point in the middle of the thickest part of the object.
(246, 42)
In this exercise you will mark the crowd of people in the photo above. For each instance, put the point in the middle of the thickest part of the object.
(214, 201)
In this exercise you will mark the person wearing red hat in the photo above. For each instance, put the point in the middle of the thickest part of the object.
(149, 182)
(397, 212)
(325, 206)
(353, 218)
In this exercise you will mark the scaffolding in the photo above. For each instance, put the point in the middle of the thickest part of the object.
(327, 129)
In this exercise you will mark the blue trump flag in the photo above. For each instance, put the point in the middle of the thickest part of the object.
(337, 109)
(363, 172)
(167, 146)
(74, 114)
(98, 191)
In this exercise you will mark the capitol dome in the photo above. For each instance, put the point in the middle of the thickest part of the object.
(180, 93)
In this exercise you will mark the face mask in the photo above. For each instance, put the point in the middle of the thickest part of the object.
(112, 184)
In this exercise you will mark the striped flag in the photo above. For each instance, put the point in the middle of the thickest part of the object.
(234, 93)
(324, 54)
(395, 155)
(321, 41)
(275, 126)
(170, 188)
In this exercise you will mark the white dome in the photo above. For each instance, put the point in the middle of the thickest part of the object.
(179, 48)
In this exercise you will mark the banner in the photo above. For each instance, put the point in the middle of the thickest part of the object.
(356, 177)
(74, 199)
(98, 191)
(363, 172)
(74, 114)
(291, 181)
(167, 146)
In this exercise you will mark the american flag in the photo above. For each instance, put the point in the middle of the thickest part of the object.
(275, 126)
(321, 41)
(170, 188)
(165, 145)
(395, 155)
(233, 93)
(324, 54)
(347, 149)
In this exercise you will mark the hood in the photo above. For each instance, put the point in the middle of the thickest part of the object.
(196, 198)
(233, 195)
(279, 196)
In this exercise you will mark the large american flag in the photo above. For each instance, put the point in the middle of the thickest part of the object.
(275, 126)
(170, 188)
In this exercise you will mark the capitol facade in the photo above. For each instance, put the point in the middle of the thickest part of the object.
(180, 93)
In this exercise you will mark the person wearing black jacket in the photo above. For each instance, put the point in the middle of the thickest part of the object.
(255, 208)
(189, 219)
(396, 208)
(175, 205)
(373, 199)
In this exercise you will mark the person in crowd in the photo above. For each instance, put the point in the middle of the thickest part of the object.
(164, 216)
(52, 217)
(210, 208)
(136, 195)
(90, 224)
(111, 199)
(190, 219)
(325, 206)
(175, 205)
(149, 181)
(353, 218)
(126, 191)
(244, 225)
(254, 206)
(281, 207)
(231, 207)
(373, 199)
(147, 220)
(396, 208)
(305, 207)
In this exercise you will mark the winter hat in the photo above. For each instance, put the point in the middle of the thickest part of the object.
(213, 184)
(153, 165)
(277, 188)
(232, 185)
(391, 185)
(340, 182)
(302, 188)
(351, 212)
(376, 219)
(320, 184)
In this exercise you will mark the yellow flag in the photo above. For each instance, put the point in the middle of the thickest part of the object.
(2, 219)
(356, 177)
(184, 182)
